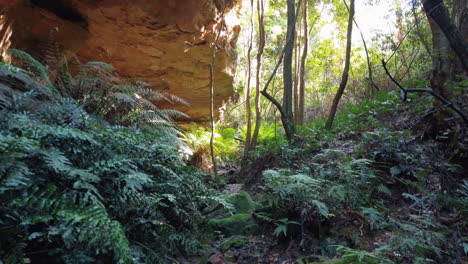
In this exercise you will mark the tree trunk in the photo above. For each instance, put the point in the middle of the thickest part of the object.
(286, 110)
(440, 60)
(261, 46)
(248, 136)
(344, 79)
(297, 68)
(438, 13)
(287, 116)
(212, 117)
(305, 16)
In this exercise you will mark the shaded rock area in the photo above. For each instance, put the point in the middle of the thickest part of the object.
(167, 44)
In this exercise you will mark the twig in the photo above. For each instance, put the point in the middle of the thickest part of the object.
(409, 30)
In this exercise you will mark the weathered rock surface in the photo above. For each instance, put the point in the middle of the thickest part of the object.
(168, 44)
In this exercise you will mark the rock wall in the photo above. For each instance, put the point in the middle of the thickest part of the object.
(168, 44)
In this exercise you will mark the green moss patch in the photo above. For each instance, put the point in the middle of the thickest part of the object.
(238, 224)
(242, 202)
(233, 242)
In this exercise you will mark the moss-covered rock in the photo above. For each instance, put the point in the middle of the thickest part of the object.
(318, 260)
(238, 224)
(242, 202)
(234, 241)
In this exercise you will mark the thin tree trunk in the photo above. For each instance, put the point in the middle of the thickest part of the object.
(436, 10)
(344, 79)
(369, 64)
(287, 117)
(305, 16)
(261, 46)
(248, 136)
(297, 68)
(212, 117)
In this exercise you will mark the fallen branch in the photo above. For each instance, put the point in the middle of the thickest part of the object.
(437, 96)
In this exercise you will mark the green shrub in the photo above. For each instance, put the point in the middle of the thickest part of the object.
(84, 191)
(225, 144)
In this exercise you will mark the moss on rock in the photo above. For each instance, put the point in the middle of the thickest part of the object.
(242, 202)
(234, 241)
(318, 260)
(238, 224)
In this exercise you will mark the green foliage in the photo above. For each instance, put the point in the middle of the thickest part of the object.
(97, 88)
(238, 224)
(242, 202)
(355, 256)
(282, 226)
(419, 239)
(233, 242)
(225, 142)
(36, 66)
(86, 191)
(271, 141)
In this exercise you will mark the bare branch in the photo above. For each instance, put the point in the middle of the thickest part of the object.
(437, 96)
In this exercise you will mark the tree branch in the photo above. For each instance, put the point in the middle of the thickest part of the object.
(437, 96)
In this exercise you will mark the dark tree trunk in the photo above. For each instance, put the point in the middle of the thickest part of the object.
(344, 79)
(437, 11)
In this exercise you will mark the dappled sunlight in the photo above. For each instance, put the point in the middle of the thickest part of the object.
(5, 33)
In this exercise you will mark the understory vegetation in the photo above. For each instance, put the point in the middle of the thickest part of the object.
(78, 189)
(93, 170)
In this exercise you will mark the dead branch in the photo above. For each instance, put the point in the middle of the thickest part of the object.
(437, 96)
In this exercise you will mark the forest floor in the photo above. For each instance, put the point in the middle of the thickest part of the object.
(416, 223)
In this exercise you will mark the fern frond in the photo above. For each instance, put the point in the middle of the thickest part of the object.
(98, 64)
(177, 99)
(173, 113)
(12, 68)
(136, 181)
(42, 70)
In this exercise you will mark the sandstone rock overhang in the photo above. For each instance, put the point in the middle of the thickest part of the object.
(167, 44)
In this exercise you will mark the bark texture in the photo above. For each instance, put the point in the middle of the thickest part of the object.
(287, 118)
(438, 14)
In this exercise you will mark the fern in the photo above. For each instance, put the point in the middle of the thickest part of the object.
(37, 66)
(80, 187)
(362, 257)
(12, 68)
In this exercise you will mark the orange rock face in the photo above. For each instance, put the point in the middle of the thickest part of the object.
(167, 44)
